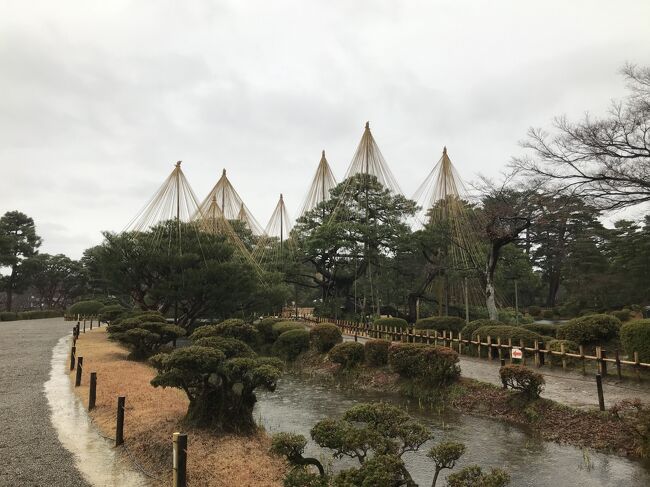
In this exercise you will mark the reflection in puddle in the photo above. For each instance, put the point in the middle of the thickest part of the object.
(94, 456)
(297, 405)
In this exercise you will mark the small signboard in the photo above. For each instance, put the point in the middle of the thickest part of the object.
(517, 353)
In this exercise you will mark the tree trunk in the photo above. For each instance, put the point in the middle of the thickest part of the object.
(490, 301)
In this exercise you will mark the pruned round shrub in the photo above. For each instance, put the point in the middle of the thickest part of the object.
(534, 311)
(324, 336)
(231, 347)
(547, 329)
(635, 337)
(282, 326)
(391, 322)
(291, 343)
(591, 329)
(441, 323)
(556, 346)
(87, 308)
(151, 317)
(375, 352)
(110, 312)
(622, 314)
(470, 327)
(522, 379)
(146, 339)
(237, 329)
(265, 328)
(505, 332)
(8, 316)
(431, 364)
(348, 354)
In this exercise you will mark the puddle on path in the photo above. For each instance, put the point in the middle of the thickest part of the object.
(95, 456)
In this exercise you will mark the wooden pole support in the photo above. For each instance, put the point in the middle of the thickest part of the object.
(77, 379)
(92, 393)
(599, 387)
(119, 427)
(73, 352)
(91, 322)
(179, 478)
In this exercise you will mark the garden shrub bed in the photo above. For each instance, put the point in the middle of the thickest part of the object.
(441, 323)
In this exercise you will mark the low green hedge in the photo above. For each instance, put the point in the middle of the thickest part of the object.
(391, 322)
(39, 314)
(291, 343)
(516, 333)
(265, 328)
(8, 316)
(472, 326)
(534, 311)
(87, 308)
(542, 328)
(635, 337)
(280, 327)
(441, 323)
(376, 352)
(324, 336)
(110, 312)
(348, 354)
(590, 329)
(623, 314)
(430, 364)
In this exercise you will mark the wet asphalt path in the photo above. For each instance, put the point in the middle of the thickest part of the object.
(30, 451)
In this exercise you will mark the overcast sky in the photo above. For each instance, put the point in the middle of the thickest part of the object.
(99, 99)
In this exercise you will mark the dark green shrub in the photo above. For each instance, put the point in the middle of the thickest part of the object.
(282, 326)
(110, 312)
(522, 379)
(146, 339)
(391, 322)
(430, 364)
(239, 330)
(516, 333)
(468, 329)
(441, 323)
(348, 354)
(623, 314)
(591, 329)
(548, 314)
(230, 347)
(150, 316)
(635, 337)
(8, 316)
(534, 311)
(324, 336)
(376, 352)
(85, 308)
(291, 343)
(556, 346)
(542, 328)
(473, 476)
(265, 328)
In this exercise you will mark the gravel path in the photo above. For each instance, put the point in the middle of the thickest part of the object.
(572, 389)
(31, 452)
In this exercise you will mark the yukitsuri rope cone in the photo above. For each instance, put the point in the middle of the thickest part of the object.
(321, 185)
(276, 247)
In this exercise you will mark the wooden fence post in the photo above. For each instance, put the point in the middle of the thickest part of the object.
(489, 347)
(563, 352)
(581, 351)
(599, 387)
(536, 346)
(510, 349)
(92, 393)
(73, 352)
(636, 366)
(80, 363)
(618, 365)
(119, 426)
(500, 352)
(179, 460)
(523, 351)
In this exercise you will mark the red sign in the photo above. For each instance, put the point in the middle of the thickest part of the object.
(517, 353)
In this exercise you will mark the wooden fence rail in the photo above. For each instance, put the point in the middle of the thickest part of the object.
(496, 350)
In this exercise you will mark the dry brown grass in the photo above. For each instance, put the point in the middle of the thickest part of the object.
(153, 414)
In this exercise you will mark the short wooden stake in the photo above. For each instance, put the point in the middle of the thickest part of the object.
(179, 478)
(119, 427)
(73, 352)
(601, 397)
(91, 322)
(92, 393)
(80, 363)
(618, 365)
